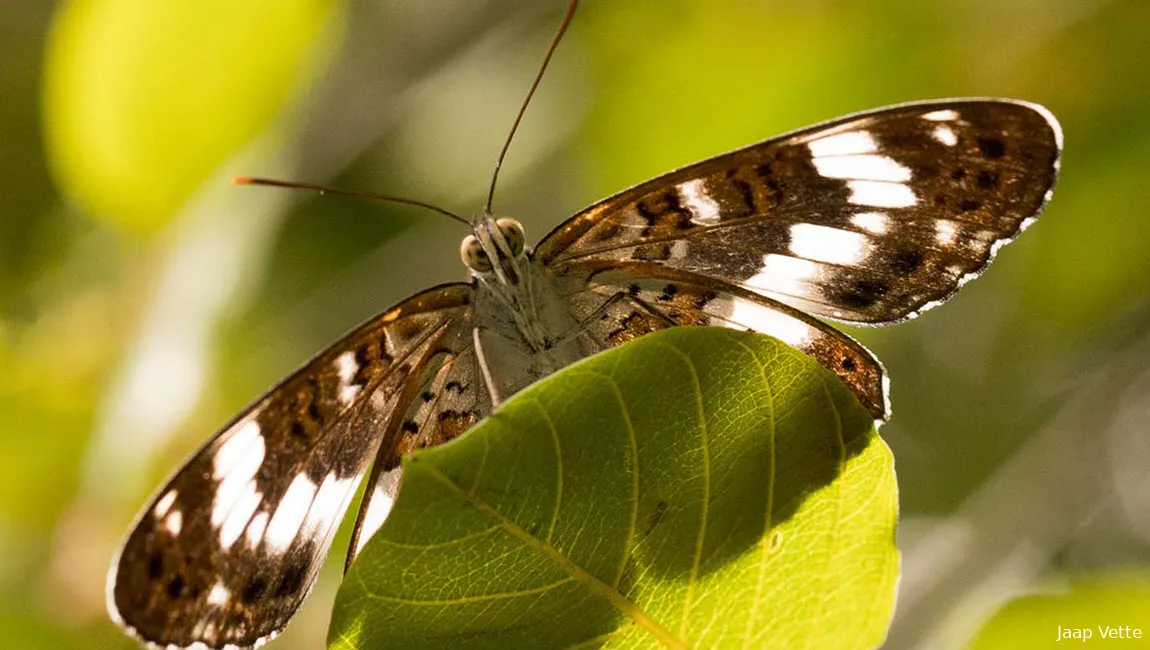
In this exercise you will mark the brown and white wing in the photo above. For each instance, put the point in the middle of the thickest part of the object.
(870, 218)
(619, 302)
(451, 398)
(226, 551)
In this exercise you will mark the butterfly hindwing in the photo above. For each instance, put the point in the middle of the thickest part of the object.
(870, 218)
(642, 297)
(451, 398)
(229, 547)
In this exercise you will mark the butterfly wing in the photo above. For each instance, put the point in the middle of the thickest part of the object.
(870, 218)
(230, 546)
(450, 400)
(623, 301)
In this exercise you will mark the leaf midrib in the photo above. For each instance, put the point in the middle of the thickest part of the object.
(597, 586)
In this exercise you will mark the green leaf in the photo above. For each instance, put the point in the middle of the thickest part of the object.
(144, 99)
(699, 487)
(1097, 605)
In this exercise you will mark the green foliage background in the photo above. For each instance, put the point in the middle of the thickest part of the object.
(143, 299)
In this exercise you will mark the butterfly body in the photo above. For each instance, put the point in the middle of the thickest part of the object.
(523, 328)
(868, 219)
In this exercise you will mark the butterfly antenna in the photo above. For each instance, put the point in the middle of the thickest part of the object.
(383, 198)
(523, 109)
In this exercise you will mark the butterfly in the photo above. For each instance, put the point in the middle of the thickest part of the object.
(867, 219)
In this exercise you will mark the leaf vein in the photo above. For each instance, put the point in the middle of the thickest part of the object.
(427, 547)
(468, 600)
(594, 584)
(700, 539)
(558, 469)
(832, 545)
(765, 543)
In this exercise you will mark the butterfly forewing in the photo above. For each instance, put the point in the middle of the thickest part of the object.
(230, 546)
(870, 218)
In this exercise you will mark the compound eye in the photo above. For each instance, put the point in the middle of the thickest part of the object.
(513, 233)
(473, 255)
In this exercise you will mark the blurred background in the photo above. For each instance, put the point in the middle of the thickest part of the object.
(144, 299)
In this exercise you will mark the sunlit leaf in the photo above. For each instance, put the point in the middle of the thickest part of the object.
(1106, 609)
(698, 488)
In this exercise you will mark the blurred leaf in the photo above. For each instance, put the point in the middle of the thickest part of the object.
(698, 487)
(1034, 621)
(27, 191)
(143, 100)
(720, 54)
(1092, 251)
(23, 630)
(1075, 284)
(52, 372)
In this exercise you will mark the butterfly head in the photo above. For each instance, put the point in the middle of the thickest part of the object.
(495, 250)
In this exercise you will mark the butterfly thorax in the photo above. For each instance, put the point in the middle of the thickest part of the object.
(524, 329)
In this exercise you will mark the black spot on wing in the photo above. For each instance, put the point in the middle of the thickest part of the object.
(863, 293)
(992, 148)
(362, 354)
(747, 194)
(766, 173)
(253, 590)
(453, 423)
(155, 566)
(605, 230)
(175, 587)
(292, 580)
(652, 252)
(664, 211)
(299, 432)
(906, 262)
